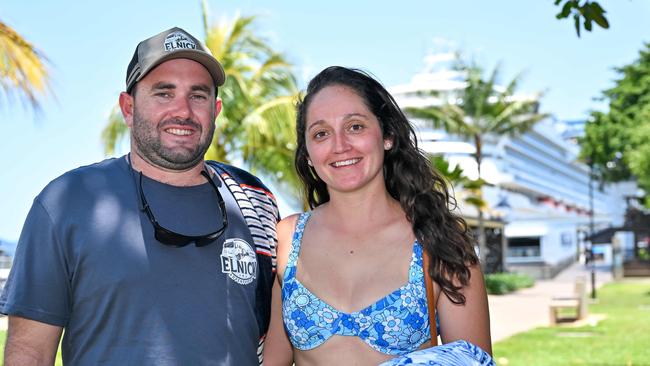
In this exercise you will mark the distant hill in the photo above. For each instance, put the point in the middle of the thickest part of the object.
(7, 247)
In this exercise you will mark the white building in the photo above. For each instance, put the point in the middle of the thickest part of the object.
(537, 186)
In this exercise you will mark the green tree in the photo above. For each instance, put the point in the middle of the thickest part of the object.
(480, 109)
(584, 14)
(617, 142)
(257, 121)
(23, 71)
(256, 124)
(456, 178)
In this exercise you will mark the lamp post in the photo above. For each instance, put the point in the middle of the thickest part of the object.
(592, 264)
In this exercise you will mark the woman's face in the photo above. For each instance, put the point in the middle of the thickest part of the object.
(344, 140)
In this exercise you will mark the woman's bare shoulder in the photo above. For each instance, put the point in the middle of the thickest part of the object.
(287, 224)
(284, 230)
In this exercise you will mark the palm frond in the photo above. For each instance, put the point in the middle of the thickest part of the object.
(23, 70)
(114, 132)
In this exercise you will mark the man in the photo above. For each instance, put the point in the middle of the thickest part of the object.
(154, 258)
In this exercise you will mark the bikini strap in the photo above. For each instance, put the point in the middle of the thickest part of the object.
(297, 239)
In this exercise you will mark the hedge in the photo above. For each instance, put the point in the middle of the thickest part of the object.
(503, 283)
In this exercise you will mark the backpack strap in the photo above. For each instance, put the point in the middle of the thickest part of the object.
(431, 297)
(260, 210)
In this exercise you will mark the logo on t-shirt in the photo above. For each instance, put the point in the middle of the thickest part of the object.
(238, 260)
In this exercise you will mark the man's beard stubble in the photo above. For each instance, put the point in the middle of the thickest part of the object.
(147, 140)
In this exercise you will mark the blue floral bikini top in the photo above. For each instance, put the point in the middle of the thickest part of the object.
(396, 324)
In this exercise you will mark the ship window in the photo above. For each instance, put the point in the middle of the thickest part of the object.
(524, 246)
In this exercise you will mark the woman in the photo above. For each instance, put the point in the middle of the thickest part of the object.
(350, 270)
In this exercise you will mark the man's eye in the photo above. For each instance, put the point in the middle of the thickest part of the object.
(163, 95)
(199, 97)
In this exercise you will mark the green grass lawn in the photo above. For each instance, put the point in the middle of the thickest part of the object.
(622, 338)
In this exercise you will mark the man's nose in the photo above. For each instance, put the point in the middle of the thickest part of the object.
(182, 108)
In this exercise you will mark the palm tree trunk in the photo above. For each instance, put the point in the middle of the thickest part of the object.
(482, 245)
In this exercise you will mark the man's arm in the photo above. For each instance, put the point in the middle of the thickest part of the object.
(31, 343)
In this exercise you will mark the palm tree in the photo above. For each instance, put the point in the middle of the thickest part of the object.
(256, 125)
(480, 109)
(257, 121)
(22, 68)
(456, 178)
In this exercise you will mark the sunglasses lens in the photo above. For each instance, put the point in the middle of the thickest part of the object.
(206, 240)
(203, 242)
(169, 238)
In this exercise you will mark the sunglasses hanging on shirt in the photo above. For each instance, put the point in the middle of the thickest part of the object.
(172, 238)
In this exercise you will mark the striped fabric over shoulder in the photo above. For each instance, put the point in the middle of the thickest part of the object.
(261, 213)
(258, 205)
(260, 210)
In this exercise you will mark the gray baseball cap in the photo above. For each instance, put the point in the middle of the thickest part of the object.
(171, 44)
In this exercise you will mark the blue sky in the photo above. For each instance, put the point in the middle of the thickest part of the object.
(90, 43)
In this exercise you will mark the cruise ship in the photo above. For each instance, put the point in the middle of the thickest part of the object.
(539, 205)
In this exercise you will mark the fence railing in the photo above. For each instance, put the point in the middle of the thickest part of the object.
(5, 262)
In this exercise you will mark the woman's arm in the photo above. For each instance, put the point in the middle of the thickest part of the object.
(469, 322)
(277, 348)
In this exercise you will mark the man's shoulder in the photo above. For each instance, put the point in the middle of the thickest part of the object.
(83, 178)
(104, 166)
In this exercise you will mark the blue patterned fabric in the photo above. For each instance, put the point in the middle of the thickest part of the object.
(396, 324)
(455, 353)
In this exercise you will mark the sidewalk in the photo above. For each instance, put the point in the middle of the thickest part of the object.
(529, 308)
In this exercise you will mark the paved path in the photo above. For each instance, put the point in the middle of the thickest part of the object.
(529, 308)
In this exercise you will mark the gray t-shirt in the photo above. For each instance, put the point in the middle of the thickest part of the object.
(87, 260)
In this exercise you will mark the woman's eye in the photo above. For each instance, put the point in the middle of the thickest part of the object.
(356, 127)
(320, 134)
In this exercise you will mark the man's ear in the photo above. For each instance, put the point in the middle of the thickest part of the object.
(126, 106)
(217, 107)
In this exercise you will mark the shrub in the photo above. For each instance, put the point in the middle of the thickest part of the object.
(503, 283)
(644, 255)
